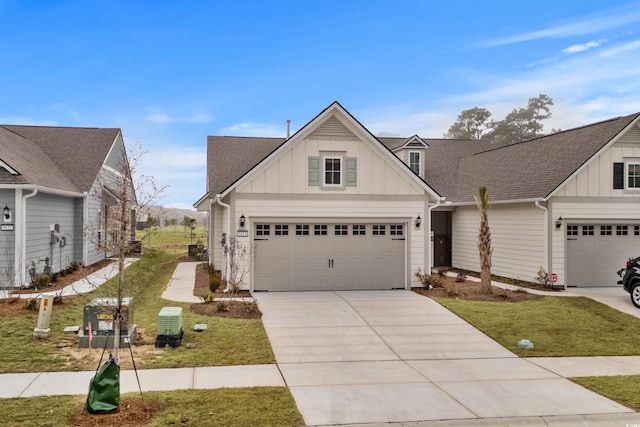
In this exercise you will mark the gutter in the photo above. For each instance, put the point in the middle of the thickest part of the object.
(22, 247)
(226, 229)
(547, 261)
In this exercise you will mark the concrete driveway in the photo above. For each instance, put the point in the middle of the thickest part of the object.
(395, 356)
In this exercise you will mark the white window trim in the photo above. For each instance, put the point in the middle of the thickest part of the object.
(326, 157)
(626, 174)
(419, 153)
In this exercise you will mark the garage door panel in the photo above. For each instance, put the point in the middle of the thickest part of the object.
(343, 258)
(594, 259)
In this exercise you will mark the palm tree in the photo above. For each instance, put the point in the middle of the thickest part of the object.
(484, 241)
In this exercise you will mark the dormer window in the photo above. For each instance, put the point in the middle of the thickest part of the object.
(415, 162)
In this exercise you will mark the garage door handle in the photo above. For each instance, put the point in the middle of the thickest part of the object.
(397, 238)
(330, 263)
(260, 239)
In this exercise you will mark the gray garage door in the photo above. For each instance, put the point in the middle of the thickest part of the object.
(297, 257)
(596, 252)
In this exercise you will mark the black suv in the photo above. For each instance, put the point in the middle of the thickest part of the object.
(631, 280)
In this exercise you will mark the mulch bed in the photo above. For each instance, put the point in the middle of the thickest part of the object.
(472, 290)
(229, 309)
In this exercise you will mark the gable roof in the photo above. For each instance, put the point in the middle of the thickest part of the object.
(231, 159)
(61, 158)
(533, 169)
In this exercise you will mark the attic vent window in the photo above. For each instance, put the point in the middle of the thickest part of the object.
(415, 162)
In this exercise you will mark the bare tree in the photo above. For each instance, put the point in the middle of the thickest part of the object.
(239, 264)
(124, 190)
(484, 241)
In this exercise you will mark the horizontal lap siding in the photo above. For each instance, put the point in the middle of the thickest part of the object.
(43, 211)
(517, 233)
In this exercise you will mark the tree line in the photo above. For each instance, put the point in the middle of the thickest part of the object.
(520, 124)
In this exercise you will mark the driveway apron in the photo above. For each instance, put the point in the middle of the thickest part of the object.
(353, 357)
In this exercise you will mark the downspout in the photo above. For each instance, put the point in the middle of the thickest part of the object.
(429, 209)
(23, 235)
(226, 230)
(547, 262)
(85, 228)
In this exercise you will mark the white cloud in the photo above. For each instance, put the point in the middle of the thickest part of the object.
(627, 47)
(159, 118)
(255, 129)
(583, 47)
(589, 24)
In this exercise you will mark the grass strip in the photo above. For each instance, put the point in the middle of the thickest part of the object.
(557, 326)
(263, 406)
(620, 388)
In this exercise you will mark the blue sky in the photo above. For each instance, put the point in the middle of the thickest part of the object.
(169, 73)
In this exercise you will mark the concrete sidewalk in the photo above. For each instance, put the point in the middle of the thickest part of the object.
(82, 286)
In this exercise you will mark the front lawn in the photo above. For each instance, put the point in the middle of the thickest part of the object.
(557, 326)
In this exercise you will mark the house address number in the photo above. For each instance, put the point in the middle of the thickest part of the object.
(243, 233)
(6, 227)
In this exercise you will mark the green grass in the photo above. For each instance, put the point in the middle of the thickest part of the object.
(225, 342)
(622, 389)
(263, 406)
(171, 238)
(557, 326)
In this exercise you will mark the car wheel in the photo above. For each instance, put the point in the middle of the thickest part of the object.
(635, 294)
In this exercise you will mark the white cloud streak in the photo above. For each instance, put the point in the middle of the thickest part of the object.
(588, 24)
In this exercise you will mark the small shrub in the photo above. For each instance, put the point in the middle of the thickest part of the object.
(54, 277)
(214, 280)
(57, 299)
(542, 277)
(442, 272)
(32, 304)
(222, 306)
(429, 281)
(251, 306)
(207, 299)
(42, 280)
(461, 277)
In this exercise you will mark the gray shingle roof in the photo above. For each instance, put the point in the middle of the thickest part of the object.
(61, 158)
(230, 157)
(530, 169)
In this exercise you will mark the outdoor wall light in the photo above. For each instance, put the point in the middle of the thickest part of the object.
(559, 222)
(418, 221)
(242, 221)
(7, 213)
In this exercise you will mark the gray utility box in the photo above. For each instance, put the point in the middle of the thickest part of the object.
(169, 327)
(100, 313)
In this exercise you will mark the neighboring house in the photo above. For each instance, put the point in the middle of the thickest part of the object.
(334, 207)
(59, 190)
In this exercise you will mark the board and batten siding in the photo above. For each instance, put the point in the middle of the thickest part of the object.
(42, 213)
(596, 180)
(349, 211)
(288, 174)
(517, 233)
(216, 222)
(7, 240)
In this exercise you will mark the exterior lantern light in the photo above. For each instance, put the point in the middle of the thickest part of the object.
(242, 221)
(559, 222)
(6, 212)
(418, 221)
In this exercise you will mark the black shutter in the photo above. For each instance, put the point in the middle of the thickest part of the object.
(618, 176)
